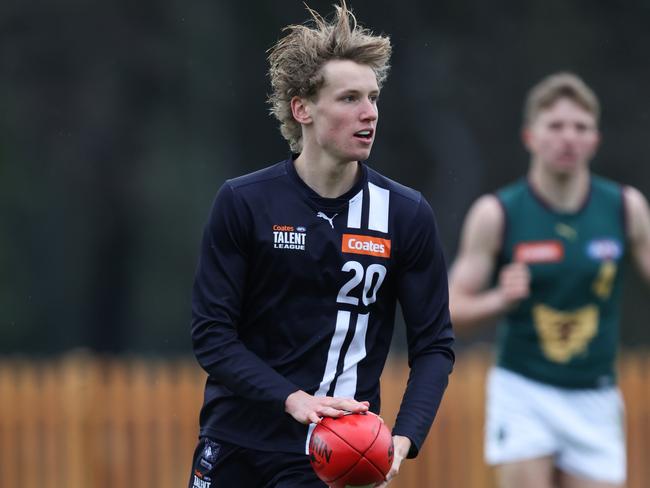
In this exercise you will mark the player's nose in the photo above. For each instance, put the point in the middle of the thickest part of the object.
(369, 111)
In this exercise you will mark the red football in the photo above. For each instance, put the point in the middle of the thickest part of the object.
(353, 450)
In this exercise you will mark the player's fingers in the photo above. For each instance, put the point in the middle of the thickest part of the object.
(391, 474)
(515, 277)
(373, 413)
(516, 283)
(314, 418)
(350, 405)
(519, 266)
(329, 411)
(517, 286)
(335, 403)
(384, 483)
(516, 270)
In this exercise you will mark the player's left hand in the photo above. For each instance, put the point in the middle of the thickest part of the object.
(401, 446)
(306, 408)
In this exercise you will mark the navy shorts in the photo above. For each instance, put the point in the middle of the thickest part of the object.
(217, 464)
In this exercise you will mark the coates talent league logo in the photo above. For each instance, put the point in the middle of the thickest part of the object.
(289, 237)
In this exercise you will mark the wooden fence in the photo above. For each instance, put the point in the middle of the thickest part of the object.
(88, 422)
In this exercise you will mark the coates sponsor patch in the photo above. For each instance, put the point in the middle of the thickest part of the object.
(604, 249)
(372, 246)
(539, 252)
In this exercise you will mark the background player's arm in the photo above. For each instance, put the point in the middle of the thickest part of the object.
(638, 223)
(471, 302)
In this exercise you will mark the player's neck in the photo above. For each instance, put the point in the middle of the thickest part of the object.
(327, 177)
(562, 192)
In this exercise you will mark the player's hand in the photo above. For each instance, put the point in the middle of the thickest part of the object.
(306, 408)
(514, 284)
(401, 446)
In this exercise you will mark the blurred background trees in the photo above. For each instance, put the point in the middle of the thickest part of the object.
(120, 120)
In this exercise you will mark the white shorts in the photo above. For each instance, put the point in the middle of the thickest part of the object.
(583, 429)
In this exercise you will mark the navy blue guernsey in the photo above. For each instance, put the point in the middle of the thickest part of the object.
(295, 291)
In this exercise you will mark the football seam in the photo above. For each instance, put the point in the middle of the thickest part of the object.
(361, 453)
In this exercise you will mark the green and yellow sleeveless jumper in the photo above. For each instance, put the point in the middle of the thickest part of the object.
(566, 332)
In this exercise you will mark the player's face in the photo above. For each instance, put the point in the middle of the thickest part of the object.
(562, 138)
(344, 113)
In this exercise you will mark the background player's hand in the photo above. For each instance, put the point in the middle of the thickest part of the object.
(402, 445)
(306, 408)
(514, 284)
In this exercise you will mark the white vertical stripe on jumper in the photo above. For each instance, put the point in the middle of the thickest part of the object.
(379, 201)
(342, 326)
(346, 384)
(354, 211)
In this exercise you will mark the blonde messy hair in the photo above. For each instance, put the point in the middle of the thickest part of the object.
(560, 85)
(297, 59)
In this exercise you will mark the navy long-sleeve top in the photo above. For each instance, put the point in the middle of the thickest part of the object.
(295, 291)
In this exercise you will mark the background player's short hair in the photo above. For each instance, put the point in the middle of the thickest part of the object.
(560, 85)
(297, 59)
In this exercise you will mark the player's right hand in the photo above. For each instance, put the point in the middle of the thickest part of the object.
(514, 284)
(307, 409)
(401, 445)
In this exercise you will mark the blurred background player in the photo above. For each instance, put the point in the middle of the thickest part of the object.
(300, 269)
(543, 257)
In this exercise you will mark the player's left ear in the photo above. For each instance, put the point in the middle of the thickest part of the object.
(300, 110)
(526, 137)
(599, 139)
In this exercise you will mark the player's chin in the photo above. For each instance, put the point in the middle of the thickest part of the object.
(360, 154)
(568, 165)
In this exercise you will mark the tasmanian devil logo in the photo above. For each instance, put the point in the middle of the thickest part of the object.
(319, 450)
